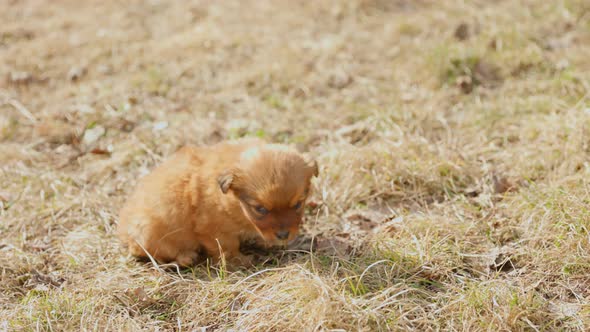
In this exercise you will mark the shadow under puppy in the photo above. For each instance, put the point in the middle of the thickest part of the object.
(209, 199)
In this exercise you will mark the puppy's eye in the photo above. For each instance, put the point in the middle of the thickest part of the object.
(298, 205)
(261, 210)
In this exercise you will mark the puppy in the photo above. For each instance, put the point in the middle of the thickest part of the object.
(209, 199)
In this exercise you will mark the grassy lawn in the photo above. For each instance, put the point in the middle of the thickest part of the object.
(453, 139)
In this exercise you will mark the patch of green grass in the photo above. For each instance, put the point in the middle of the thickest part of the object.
(9, 130)
(409, 29)
(458, 67)
(274, 101)
(153, 80)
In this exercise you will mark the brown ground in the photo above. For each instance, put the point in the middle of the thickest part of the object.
(453, 139)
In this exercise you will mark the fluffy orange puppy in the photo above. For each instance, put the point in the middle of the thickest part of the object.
(207, 200)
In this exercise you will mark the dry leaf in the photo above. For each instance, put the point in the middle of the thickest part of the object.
(158, 126)
(100, 151)
(462, 32)
(336, 245)
(92, 135)
(75, 73)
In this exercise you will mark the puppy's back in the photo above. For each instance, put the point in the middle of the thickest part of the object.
(160, 191)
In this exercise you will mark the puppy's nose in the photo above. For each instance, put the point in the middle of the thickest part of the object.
(282, 235)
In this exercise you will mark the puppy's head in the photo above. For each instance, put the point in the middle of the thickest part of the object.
(271, 183)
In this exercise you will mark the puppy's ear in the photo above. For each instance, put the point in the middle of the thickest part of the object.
(225, 180)
(312, 165)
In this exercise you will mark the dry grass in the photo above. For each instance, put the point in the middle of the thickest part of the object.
(453, 139)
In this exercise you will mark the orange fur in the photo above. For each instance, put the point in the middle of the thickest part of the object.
(209, 199)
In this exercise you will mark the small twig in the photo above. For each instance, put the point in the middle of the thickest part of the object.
(70, 160)
(154, 263)
(254, 275)
(22, 109)
(148, 150)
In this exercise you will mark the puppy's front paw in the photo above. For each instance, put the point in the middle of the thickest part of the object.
(187, 258)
